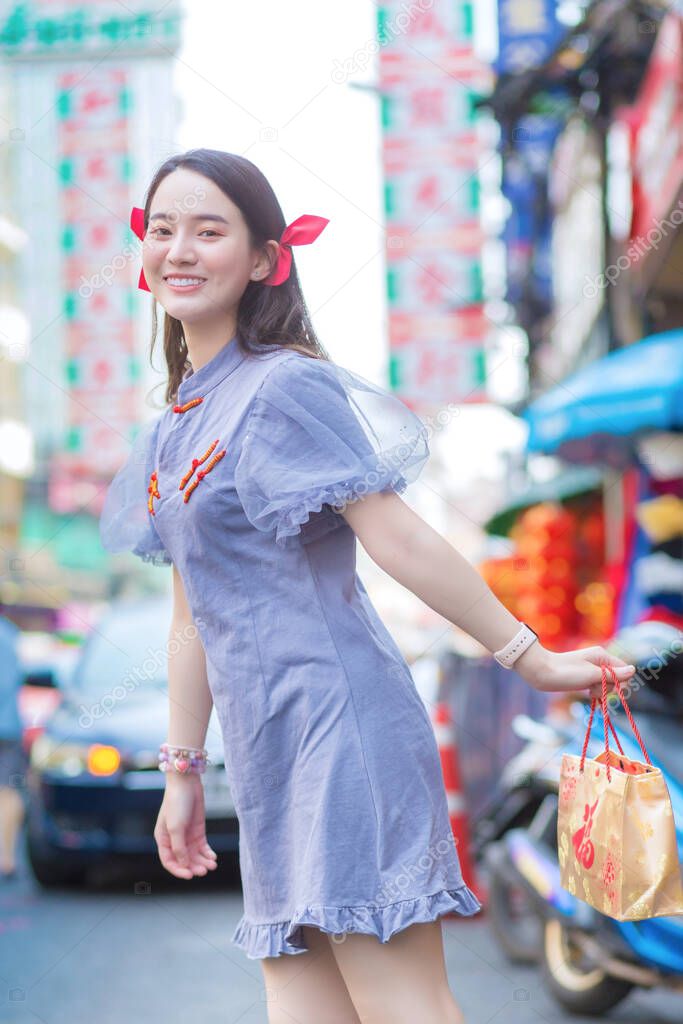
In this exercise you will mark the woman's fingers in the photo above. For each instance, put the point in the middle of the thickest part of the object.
(190, 856)
(599, 656)
(167, 856)
(618, 663)
(611, 659)
(185, 856)
(622, 669)
(184, 850)
(194, 863)
(624, 673)
(177, 835)
(208, 862)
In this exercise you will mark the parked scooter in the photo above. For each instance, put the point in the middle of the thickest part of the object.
(591, 962)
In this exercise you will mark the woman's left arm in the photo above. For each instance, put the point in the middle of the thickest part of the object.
(419, 558)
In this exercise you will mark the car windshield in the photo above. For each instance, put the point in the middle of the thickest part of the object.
(129, 647)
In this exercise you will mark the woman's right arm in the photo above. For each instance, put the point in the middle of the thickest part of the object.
(180, 830)
(190, 700)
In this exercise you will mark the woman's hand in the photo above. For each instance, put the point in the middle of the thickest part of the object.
(570, 671)
(180, 830)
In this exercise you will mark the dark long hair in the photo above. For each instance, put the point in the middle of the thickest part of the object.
(267, 315)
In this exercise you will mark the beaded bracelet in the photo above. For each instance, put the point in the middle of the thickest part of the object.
(182, 760)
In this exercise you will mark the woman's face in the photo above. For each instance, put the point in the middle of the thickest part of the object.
(196, 253)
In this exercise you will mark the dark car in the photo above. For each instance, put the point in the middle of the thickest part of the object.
(94, 785)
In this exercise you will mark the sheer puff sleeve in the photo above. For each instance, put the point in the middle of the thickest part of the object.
(125, 520)
(319, 436)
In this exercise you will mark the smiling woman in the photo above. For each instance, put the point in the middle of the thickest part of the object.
(332, 759)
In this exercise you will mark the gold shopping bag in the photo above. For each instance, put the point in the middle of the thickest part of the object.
(615, 831)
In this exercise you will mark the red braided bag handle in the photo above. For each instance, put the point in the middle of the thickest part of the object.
(607, 721)
(636, 733)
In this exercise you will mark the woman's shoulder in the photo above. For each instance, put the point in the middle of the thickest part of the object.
(292, 365)
(287, 354)
(286, 369)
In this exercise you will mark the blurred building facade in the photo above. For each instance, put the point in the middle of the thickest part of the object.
(591, 120)
(79, 88)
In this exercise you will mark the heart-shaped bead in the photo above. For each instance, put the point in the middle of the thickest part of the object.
(181, 764)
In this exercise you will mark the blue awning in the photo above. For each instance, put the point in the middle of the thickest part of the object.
(594, 414)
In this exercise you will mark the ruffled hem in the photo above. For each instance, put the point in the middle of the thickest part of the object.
(264, 940)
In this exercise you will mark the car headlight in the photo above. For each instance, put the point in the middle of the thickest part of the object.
(72, 759)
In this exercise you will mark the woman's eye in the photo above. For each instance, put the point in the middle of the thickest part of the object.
(158, 231)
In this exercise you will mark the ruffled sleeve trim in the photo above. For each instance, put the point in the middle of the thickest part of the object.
(281, 937)
(291, 518)
(318, 437)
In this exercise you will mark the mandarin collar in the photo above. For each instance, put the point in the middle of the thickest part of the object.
(196, 383)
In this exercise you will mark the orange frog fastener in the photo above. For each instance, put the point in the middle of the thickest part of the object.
(202, 473)
(195, 463)
(153, 491)
(188, 405)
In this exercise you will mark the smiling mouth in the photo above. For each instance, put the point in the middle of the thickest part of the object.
(177, 281)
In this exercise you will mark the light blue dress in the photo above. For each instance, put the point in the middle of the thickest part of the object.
(330, 754)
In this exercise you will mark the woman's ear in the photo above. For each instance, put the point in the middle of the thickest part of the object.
(266, 261)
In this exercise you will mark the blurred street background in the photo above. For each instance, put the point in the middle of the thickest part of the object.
(504, 184)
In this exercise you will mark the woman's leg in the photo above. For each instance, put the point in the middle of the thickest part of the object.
(400, 981)
(307, 988)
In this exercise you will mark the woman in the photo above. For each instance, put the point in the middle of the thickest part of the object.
(267, 464)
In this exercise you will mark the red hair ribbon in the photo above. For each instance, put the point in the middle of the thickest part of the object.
(137, 223)
(302, 231)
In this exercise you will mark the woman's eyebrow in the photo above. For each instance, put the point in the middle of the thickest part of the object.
(195, 216)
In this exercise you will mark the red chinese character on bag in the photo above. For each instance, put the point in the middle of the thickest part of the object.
(583, 847)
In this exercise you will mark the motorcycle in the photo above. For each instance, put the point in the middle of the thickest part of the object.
(591, 962)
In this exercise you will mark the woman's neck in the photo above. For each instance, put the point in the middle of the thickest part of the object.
(204, 341)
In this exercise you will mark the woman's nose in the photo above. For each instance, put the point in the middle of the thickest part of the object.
(180, 250)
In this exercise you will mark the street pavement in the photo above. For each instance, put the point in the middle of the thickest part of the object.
(147, 948)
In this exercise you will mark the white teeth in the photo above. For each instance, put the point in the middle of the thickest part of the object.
(184, 281)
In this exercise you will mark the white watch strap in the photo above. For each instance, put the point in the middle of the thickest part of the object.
(508, 655)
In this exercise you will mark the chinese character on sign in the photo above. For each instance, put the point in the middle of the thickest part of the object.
(427, 107)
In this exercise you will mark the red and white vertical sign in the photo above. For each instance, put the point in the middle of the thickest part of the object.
(98, 271)
(430, 79)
